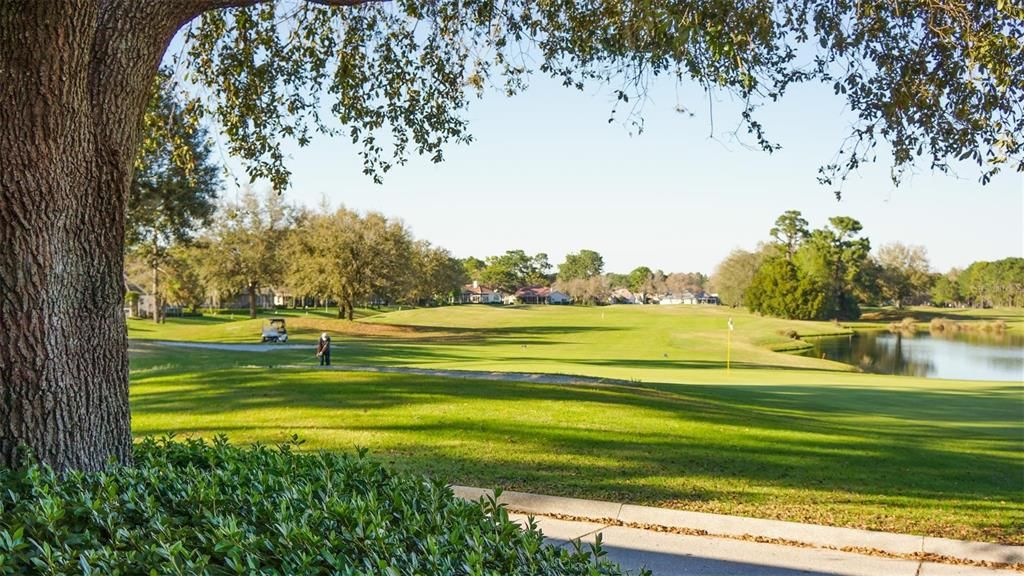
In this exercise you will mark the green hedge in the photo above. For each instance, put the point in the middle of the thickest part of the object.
(193, 507)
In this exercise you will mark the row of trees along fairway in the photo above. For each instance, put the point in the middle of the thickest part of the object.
(934, 81)
(328, 255)
(344, 257)
(259, 241)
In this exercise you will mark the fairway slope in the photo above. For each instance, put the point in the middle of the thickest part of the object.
(696, 418)
(942, 458)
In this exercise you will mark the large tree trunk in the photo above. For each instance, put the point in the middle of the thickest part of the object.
(350, 308)
(74, 81)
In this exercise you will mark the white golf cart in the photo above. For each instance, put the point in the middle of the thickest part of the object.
(275, 331)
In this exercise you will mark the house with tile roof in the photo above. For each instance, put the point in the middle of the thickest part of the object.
(537, 295)
(476, 294)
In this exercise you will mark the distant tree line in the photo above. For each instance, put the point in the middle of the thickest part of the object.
(982, 284)
(581, 276)
(343, 258)
(183, 245)
(325, 256)
(830, 272)
(354, 259)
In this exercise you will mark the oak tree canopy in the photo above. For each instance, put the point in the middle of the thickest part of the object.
(938, 81)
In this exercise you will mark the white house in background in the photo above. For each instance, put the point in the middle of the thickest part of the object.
(476, 294)
(265, 299)
(623, 296)
(138, 302)
(537, 295)
(687, 297)
(284, 299)
(705, 298)
(529, 295)
(556, 297)
(670, 299)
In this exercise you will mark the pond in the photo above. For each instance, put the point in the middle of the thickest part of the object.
(961, 356)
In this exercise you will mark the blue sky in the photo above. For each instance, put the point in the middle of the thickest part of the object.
(548, 173)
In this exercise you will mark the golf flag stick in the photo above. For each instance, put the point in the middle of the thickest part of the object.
(728, 348)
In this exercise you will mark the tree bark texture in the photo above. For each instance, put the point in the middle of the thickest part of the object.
(75, 77)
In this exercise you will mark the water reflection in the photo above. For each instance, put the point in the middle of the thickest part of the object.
(957, 355)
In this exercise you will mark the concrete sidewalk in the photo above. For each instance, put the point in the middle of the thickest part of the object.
(667, 554)
(640, 536)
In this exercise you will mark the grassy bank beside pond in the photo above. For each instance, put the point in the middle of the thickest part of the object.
(971, 318)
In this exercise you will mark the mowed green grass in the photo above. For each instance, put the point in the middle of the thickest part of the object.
(649, 343)
(778, 436)
(236, 326)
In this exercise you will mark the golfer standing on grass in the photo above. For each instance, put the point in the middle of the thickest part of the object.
(323, 349)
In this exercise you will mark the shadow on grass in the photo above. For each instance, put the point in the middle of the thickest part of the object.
(669, 364)
(449, 350)
(881, 442)
(992, 407)
(900, 485)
